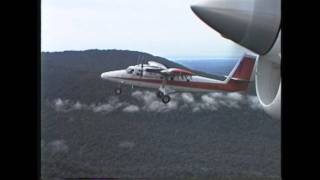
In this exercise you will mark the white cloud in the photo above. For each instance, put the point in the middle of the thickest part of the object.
(58, 102)
(67, 105)
(152, 104)
(254, 103)
(235, 96)
(60, 105)
(207, 99)
(158, 106)
(102, 107)
(217, 99)
(187, 97)
(58, 146)
(78, 106)
(209, 102)
(216, 94)
(149, 102)
(131, 108)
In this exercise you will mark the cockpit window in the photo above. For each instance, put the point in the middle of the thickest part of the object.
(129, 70)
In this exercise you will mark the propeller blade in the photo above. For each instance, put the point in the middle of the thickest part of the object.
(141, 69)
(138, 58)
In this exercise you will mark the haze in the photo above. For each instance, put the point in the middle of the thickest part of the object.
(166, 28)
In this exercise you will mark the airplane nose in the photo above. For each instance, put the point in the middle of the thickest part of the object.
(111, 75)
(105, 75)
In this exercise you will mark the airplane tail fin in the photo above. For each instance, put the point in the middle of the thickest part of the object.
(245, 68)
(240, 76)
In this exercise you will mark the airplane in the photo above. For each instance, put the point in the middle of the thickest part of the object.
(170, 80)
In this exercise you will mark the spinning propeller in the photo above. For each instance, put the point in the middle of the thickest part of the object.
(141, 64)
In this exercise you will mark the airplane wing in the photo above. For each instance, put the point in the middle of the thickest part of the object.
(156, 64)
(176, 72)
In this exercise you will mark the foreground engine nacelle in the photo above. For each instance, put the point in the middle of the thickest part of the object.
(268, 80)
(255, 25)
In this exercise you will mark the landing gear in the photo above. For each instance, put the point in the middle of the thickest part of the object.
(117, 91)
(163, 91)
(160, 94)
(165, 99)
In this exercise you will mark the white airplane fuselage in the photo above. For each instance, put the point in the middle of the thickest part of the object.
(154, 80)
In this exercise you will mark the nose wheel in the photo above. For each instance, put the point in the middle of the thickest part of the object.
(165, 99)
(117, 91)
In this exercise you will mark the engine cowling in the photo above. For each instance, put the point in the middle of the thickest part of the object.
(268, 80)
(255, 25)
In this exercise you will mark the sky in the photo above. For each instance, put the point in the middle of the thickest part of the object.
(166, 28)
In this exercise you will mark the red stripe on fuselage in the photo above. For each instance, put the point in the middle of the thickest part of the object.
(232, 85)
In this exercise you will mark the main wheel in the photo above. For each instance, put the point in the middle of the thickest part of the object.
(160, 94)
(117, 91)
(165, 99)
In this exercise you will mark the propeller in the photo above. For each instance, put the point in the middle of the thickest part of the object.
(140, 59)
(141, 70)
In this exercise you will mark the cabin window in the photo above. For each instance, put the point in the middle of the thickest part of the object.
(129, 71)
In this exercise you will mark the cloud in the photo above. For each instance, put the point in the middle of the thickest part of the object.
(131, 108)
(157, 106)
(61, 105)
(208, 102)
(78, 106)
(67, 105)
(102, 108)
(58, 146)
(110, 106)
(187, 97)
(208, 99)
(235, 96)
(58, 102)
(233, 100)
(215, 101)
(149, 102)
(254, 103)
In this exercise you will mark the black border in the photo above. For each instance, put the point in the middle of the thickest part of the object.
(21, 67)
(287, 72)
(39, 89)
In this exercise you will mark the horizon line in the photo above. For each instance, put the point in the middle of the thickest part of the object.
(169, 57)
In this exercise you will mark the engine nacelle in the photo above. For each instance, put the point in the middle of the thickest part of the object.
(255, 25)
(268, 80)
